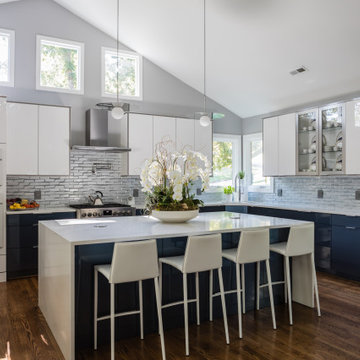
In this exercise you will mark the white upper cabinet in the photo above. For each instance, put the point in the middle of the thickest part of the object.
(352, 138)
(22, 139)
(185, 137)
(38, 140)
(287, 145)
(204, 139)
(54, 140)
(2, 120)
(164, 129)
(2, 172)
(271, 146)
(140, 141)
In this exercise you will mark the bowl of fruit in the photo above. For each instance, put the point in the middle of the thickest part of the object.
(19, 204)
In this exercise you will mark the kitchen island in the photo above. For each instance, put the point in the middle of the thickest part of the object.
(68, 250)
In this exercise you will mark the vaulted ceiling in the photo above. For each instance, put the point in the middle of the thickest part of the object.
(252, 45)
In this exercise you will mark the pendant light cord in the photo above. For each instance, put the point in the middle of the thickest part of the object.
(117, 52)
(204, 57)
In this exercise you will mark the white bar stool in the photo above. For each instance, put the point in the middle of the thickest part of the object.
(202, 253)
(300, 242)
(132, 261)
(253, 247)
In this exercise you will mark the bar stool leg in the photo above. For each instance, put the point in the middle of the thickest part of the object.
(238, 298)
(211, 280)
(197, 298)
(258, 285)
(285, 281)
(112, 320)
(158, 306)
(222, 294)
(288, 288)
(268, 275)
(315, 284)
(141, 310)
(186, 316)
(160, 284)
(95, 307)
(243, 286)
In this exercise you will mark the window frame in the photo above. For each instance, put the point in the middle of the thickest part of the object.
(11, 54)
(75, 44)
(139, 97)
(247, 139)
(236, 156)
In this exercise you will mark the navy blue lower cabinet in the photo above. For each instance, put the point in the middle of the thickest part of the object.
(323, 241)
(22, 242)
(346, 246)
(212, 208)
(237, 208)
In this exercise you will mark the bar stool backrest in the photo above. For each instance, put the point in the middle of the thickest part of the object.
(301, 240)
(134, 261)
(202, 253)
(253, 246)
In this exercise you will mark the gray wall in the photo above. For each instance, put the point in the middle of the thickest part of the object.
(163, 94)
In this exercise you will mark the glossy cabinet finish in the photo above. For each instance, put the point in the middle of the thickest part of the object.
(270, 146)
(352, 135)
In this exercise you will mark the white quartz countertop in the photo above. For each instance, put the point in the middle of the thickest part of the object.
(41, 210)
(118, 229)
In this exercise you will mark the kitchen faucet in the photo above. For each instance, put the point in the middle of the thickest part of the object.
(238, 179)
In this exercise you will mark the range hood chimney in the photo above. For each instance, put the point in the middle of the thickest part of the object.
(97, 132)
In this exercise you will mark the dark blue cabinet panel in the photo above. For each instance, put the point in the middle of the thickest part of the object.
(212, 208)
(237, 208)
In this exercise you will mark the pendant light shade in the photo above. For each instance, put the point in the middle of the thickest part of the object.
(205, 120)
(117, 112)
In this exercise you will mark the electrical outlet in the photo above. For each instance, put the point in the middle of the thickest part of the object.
(135, 192)
(198, 191)
(320, 194)
(279, 192)
(357, 195)
(37, 195)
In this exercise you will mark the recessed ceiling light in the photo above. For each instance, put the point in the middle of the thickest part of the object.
(299, 70)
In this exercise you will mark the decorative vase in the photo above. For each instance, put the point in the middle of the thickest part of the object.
(175, 216)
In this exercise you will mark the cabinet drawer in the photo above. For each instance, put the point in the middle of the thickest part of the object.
(21, 262)
(348, 221)
(19, 220)
(22, 236)
(2, 263)
(238, 209)
(212, 208)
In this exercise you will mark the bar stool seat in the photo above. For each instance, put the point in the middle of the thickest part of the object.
(230, 254)
(104, 270)
(279, 248)
(175, 261)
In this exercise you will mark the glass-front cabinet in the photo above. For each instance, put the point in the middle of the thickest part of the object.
(331, 139)
(307, 142)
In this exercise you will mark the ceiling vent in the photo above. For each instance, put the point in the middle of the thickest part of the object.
(299, 70)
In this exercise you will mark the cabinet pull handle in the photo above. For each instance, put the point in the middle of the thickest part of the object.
(350, 227)
(35, 247)
(35, 225)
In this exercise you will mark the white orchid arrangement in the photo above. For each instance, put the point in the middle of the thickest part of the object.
(168, 176)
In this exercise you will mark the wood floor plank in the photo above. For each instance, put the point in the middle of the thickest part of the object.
(334, 336)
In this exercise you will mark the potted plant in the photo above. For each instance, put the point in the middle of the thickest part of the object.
(228, 191)
(167, 179)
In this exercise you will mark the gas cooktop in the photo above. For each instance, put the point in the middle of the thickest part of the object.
(90, 206)
(110, 209)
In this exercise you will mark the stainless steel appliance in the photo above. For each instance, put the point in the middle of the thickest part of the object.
(84, 211)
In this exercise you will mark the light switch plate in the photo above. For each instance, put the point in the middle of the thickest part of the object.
(357, 195)
(279, 192)
(320, 194)
(37, 195)
(198, 191)
(135, 192)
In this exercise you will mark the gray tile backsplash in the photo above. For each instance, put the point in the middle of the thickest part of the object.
(58, 191)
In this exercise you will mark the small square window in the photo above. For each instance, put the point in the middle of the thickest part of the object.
(7, 57)
(130, 74)
(60, 65)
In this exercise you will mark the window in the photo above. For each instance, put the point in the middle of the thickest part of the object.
(60, 65)
(253, 165)
(226, 159)
(130, 74)
(7, 57)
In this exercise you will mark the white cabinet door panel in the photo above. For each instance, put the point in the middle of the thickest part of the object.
(164, 129)
(54, 140)
(140, 141)
(270, 146)
(287, 145)
(22, 139)
(352, 136)
(204, 139)
(185, 136)
(2, 121)
(2, 173)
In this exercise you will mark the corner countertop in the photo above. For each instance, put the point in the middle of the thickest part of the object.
(41, 210)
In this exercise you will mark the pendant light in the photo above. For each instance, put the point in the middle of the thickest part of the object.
(204, 116)
(117, 111)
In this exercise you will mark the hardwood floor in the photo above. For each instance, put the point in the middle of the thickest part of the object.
(336, 335)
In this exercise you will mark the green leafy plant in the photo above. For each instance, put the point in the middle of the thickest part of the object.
(241, 175)
(228, 190)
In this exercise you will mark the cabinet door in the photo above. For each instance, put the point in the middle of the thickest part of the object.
(164, 129)
(287, 145)
(2, 172)
(204, 139)
(352, 136)
(2, 120)
(140, 141)
(22, 139)
(54, 140)
(2, 225)
(270, 146)
(185, 136)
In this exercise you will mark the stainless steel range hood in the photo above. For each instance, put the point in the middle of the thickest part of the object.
(97, 133)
